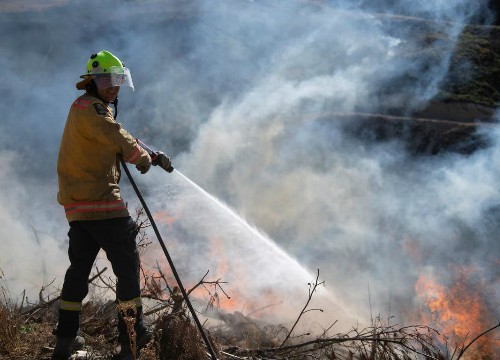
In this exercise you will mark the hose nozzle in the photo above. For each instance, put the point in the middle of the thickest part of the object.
(157, 157)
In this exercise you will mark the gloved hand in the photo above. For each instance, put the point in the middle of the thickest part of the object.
(162, 160)
(144, 166)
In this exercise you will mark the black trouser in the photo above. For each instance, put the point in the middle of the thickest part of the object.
(86, 238)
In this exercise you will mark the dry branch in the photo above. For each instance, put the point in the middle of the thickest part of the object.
(312, 290)
(464, 349)
(44, 304)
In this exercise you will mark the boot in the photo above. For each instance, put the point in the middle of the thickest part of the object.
(143, 336)
(65, 346)
(141, 341)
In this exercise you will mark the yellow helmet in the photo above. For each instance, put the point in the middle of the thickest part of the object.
(105, 63)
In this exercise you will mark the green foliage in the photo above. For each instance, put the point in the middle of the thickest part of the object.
(477, 53)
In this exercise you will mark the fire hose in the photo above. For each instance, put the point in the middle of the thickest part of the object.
(169, 169)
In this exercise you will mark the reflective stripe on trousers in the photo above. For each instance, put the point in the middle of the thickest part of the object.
(117, 238)
(71, 305)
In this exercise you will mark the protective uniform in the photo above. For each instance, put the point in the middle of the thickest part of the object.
(88, 172)
(88, 164)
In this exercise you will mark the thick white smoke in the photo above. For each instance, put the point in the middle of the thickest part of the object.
(245, 96)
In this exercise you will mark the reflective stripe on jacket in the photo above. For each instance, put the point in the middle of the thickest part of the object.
(88, 165)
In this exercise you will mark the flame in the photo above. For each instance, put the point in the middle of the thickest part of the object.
(232, 300)
(164, 217)
(225, 301)
(459, 311)
(414, 249)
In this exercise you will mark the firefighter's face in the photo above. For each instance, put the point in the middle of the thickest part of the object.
(105, 89)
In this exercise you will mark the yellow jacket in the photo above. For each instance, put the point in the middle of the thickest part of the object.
(88, 166)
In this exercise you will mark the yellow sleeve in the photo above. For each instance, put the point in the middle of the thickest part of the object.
(101, 127)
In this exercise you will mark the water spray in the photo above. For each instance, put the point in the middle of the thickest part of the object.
(241, 221)
(164, 248)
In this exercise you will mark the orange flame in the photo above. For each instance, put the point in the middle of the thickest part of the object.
(164, 217)
(236, 301)
(232, 295)
(459, 311)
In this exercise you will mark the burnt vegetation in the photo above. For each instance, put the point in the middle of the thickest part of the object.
(26, 327)
(467, 97)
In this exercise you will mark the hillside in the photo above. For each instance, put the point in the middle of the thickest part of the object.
(467, 98)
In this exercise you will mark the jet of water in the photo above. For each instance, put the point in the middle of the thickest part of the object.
(203, 233)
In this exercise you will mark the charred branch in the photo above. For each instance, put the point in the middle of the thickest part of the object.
(312, 289)
(43, 304)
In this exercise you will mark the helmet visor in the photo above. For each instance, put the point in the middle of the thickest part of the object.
(120, 76)
(117, 76)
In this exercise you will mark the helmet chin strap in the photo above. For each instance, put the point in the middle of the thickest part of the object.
(115, 105)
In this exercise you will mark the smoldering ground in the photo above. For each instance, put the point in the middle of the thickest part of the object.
(233, 92)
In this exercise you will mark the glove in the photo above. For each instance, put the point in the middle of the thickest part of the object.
(144, 166)
(162, 160)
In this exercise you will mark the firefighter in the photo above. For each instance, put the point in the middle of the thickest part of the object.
(88, 171)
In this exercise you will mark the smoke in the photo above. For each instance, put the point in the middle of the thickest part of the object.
(246, 96)
(29, 255)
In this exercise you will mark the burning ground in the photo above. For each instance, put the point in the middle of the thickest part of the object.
(25, 330)
(355, 138)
